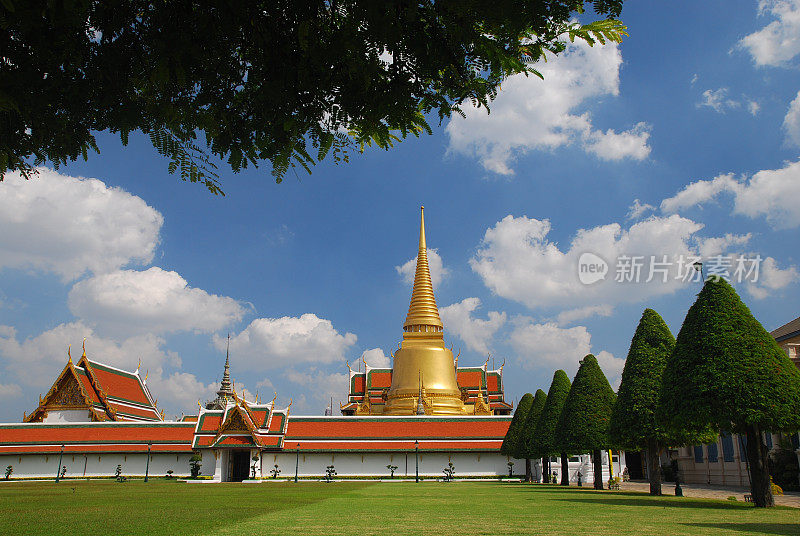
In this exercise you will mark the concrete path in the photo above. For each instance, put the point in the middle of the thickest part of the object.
(711, 492)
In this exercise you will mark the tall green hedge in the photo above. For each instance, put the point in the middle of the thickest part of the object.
(584, 422)
(633, 420)
(727, 371)
(511, 440)
(543, 439)
(529, 427)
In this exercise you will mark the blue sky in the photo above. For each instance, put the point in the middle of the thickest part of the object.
(684, 140)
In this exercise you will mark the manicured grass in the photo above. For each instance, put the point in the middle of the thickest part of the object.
(365, 508)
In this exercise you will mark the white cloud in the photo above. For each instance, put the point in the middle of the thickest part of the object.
(36, 361)
(709, 247)
(718, 100)
(68, 225)
(269, 343)
(517, 261)
(435, 265)
(322, 386)
(771, 193)
(771, 278)
(155, 301)
(550, 346)
(791, 123)
(530, 113)
(476, 333)
(610, 145)
(567, 317)
(10, 390)
(699, 192)
(376, 358)
(779, 42)
(753, 107)
(637, 209)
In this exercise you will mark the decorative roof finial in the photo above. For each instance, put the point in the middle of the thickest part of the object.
(84, 347)
(423, 315)
(69, 354)
(226, 386)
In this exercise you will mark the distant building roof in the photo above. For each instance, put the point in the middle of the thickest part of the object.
(786, 331)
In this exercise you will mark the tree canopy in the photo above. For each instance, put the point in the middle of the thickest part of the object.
(542, 442)
(633, 422)
(726, 371)
(512, 438)
(283, 83)
(529, 427)
(584, 421)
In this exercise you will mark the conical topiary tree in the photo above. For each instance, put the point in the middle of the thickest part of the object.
(727, 372)
(584, 422)
(510, 444)
(543, 444)
(633, 421)
(528, 429)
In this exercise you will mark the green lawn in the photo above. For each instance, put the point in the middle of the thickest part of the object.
(361, 509)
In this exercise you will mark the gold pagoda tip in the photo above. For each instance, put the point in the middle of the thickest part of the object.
(422, 312)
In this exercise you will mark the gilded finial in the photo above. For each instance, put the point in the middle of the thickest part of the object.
(162, 414)
(139, 365)
(423, 314)
(84, 347)
(274, 398)
(69, 354)
(24, 415)
(199, 405)
(290, 405)
(145, 374)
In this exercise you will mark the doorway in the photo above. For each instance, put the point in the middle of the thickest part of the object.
(633, 460)
(239, 465)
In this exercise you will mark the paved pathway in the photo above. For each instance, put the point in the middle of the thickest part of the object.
(711, 492)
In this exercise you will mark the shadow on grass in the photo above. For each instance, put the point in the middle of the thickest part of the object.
(658, 502)
(752, 528)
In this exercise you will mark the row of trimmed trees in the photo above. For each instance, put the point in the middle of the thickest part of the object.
(723, 373)
(570, 418)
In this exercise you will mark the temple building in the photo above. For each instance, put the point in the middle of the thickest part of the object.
(425, 379)
(424, 412)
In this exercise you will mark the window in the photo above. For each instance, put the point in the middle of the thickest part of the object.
(795, 441)
(713, 453)
(727, 447)
(698, 454)
(742, 447)
(768, 438)
(574, 459)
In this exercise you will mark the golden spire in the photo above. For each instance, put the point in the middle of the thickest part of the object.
(69, 354)
(84, 347)
(423, 315)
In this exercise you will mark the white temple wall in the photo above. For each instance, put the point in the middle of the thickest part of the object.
(374, 464)
(67, 415)
(102, 464)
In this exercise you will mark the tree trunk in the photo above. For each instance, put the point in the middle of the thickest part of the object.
(528, 472)
(759, 472)
(546, 470)
(564, 469)
(654, 467)
(597, 466)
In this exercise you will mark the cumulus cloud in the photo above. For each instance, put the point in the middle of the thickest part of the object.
(376, 358)
(69, 225)
(771, 278)
(570, 316)
(718, 100)
(10, 390)
(322, 386)
(517, 261)
(637, 209)
(549, 346)
(791, 123)
(530, 113)
(476, 333)
(753, 107)
(435, 264)
(150, 301)
(771, 193)
(36, 361)
(269, 343)
(717, 245)
(778, 43)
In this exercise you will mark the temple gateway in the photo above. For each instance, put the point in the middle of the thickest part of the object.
(420, 415)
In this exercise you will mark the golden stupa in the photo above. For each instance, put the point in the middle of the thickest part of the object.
(424, 372)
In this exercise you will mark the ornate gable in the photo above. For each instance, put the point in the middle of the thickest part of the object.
(67, 392)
